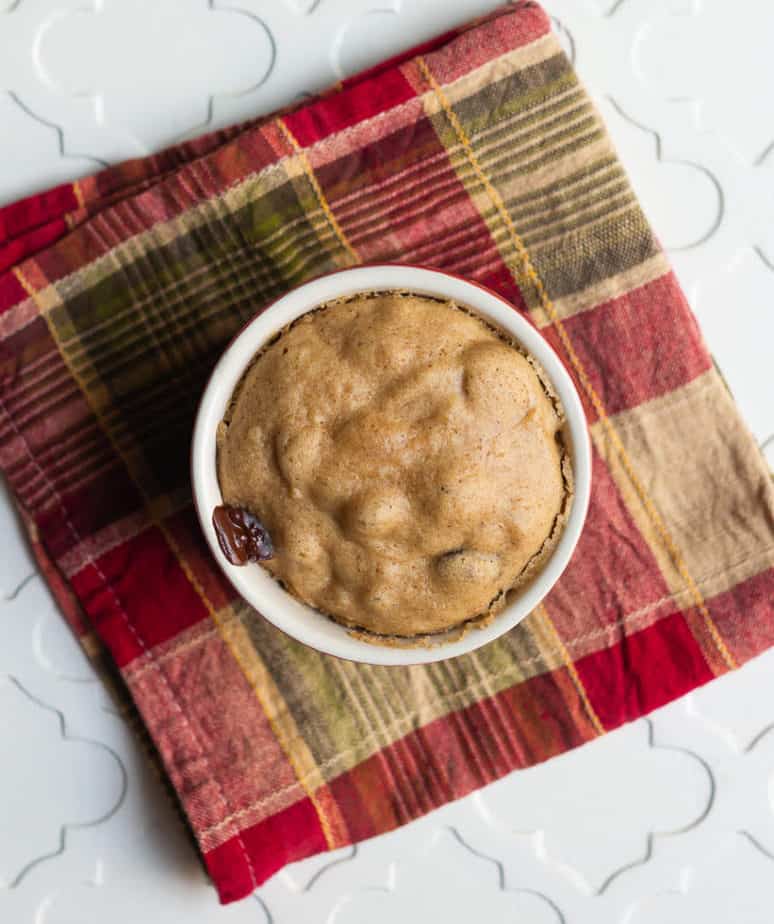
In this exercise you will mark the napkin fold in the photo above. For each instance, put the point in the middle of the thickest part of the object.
(481, 154)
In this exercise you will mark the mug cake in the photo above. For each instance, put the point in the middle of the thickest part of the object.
(396, 463)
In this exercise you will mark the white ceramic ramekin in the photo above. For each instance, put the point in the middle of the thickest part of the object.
(254, 583)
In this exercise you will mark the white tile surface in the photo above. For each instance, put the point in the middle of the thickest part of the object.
(670, 819)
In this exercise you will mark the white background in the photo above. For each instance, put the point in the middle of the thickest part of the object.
(670, 819)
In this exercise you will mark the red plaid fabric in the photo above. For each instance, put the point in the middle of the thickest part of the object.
(481, 154)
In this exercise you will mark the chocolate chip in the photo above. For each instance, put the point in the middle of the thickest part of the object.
(467, 565)
(241, 535)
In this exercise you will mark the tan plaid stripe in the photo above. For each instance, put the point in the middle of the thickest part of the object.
(718, 553)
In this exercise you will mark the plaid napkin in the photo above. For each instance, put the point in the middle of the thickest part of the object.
(479, 153)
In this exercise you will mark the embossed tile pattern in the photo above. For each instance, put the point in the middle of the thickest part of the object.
(670, 819)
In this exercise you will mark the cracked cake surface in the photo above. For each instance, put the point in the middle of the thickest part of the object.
(406, 459)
